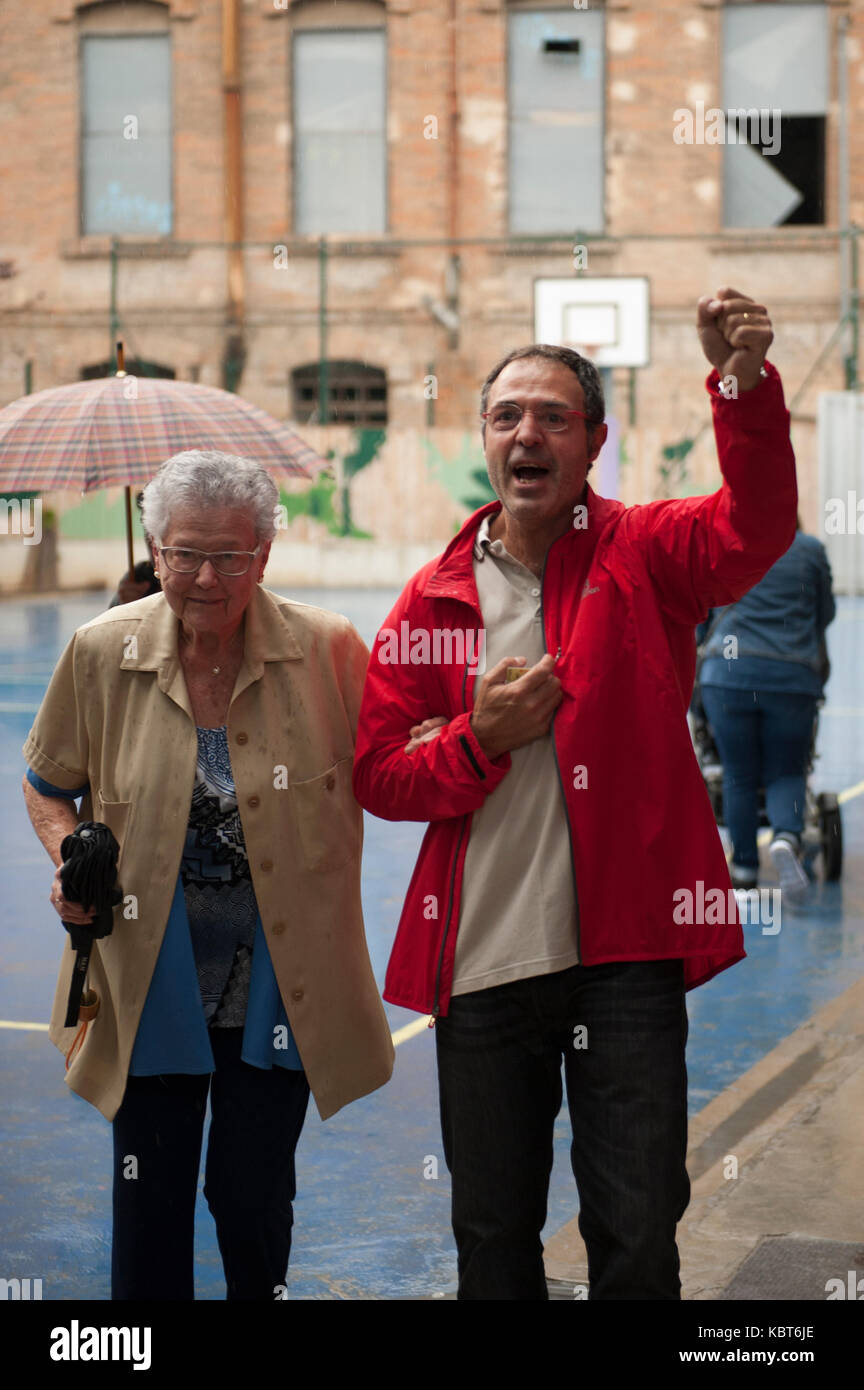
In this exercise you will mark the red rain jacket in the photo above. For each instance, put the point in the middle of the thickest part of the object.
(621, 599)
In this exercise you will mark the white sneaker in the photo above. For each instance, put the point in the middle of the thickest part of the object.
(794, 883)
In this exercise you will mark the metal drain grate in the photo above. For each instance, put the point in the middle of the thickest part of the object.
(797, 1268)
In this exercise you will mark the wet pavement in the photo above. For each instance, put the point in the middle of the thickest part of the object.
(368, 1223)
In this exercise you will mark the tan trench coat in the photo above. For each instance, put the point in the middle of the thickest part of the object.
(117, 715)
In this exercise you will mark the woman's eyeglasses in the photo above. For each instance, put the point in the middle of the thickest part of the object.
(228, 562)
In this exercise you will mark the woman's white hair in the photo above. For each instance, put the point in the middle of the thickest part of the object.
(204, 478)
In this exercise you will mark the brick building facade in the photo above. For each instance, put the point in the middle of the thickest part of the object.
(455, 200)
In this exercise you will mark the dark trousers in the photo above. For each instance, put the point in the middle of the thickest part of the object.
(763, 738)
(249, 1183)
(499, 1068)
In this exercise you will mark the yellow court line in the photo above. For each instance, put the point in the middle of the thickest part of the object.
(401, 1035)
(411, 1030)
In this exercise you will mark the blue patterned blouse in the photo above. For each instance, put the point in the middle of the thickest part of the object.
(214, 968)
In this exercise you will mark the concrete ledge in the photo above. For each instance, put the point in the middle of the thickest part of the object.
(793, 1124)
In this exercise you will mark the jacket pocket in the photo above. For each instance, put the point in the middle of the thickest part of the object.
(329, 820)
(114, 814)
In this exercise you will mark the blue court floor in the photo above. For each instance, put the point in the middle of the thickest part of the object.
(368, 1224)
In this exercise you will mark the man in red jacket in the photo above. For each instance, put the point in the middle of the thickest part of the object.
(527, 697)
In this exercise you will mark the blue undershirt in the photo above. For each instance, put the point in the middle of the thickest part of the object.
(172, 1034)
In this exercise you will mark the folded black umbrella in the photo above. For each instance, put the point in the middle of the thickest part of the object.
(88, 876)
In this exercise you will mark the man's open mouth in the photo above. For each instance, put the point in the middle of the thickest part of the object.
(527, 472)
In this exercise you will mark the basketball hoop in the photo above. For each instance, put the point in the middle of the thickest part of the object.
(605, 318)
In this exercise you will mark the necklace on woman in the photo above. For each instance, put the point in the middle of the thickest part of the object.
(215, 669)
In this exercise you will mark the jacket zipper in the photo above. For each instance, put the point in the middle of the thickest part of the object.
(561, 779)
(435, 1008)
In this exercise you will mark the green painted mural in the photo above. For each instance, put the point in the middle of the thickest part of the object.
(672, 472)
(369, 442)
(464, 476)
(95, 518)
(101, 515)
(318, 500)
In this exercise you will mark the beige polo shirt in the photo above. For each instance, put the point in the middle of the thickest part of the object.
(518, 912)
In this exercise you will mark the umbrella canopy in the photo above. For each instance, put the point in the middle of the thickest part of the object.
(115, 431)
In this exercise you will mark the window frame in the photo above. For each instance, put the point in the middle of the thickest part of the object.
(533, 6)
(829, 196)
(375, 378)
(313, 28)
(113, 33)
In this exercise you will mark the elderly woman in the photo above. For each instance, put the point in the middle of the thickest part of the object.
(211, 727)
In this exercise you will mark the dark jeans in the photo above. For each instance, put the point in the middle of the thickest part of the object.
(763, 738)
(499, 1070)
(249, 1184)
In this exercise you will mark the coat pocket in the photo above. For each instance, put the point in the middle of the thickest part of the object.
(329, 820)
(114, 814)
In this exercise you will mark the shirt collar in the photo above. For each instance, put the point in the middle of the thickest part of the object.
(482, 541)
(268, 636)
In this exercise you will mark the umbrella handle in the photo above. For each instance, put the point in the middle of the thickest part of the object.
(87, 1012)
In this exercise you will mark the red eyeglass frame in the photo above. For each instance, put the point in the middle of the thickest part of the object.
(484, 415)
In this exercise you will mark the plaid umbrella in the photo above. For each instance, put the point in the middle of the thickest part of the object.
(115, 431)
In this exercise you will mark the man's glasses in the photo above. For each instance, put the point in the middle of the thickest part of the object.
(549, 417)
(228, 562)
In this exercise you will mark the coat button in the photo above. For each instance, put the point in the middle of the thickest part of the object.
(267, 865)
(330, 783)
(242, 738)
(254, 801)
(278, 928)
(297, 994)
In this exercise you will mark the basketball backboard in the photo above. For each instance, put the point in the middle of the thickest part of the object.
(605, 318)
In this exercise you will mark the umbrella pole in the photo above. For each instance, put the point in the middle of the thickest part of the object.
(121, 371)
(128, 492)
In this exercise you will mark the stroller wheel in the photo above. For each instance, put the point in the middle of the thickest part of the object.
(831, 832)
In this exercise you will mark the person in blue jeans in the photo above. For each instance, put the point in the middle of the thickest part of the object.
(763, 670)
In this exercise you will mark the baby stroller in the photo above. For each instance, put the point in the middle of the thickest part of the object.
(823, 828)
